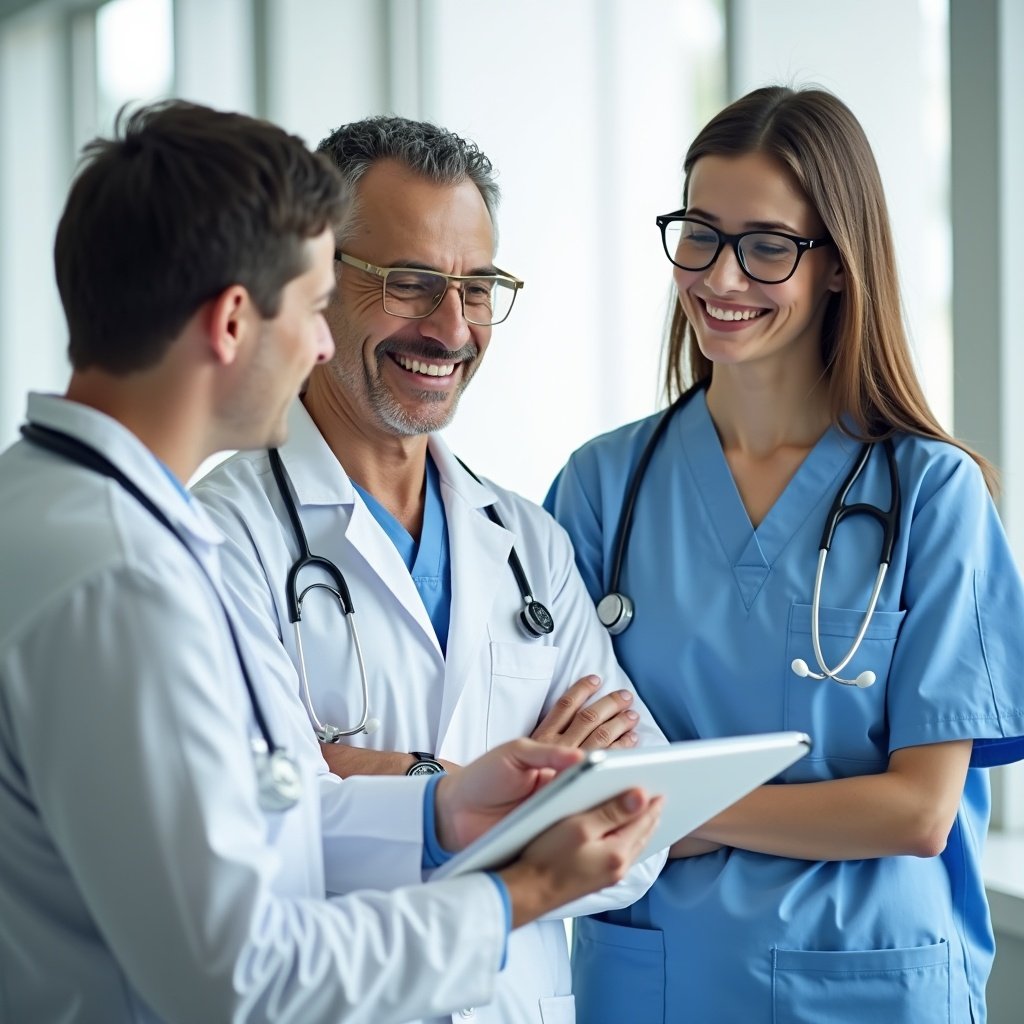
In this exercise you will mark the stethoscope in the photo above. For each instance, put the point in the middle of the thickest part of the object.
(616, 609)
(278, 781)
(533, 618)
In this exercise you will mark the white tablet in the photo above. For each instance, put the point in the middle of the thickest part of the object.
(698, 778)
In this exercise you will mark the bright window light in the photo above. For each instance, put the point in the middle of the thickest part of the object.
(134, 53)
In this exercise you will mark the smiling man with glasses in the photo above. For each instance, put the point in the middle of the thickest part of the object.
(475, 625)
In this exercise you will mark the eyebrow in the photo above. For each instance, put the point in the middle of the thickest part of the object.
(750, 225)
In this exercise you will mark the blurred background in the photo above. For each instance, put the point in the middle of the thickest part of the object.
(586, 108)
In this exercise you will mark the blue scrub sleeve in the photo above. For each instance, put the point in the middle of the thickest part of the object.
(958, 658)
(434, 855)
(567, 500)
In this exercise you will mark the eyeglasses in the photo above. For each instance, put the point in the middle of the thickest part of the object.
(769, 257)
(414, 294)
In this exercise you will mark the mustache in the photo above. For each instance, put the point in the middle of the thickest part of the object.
(426, 350)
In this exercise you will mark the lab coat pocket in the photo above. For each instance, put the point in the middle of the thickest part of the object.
(618, 973)
(844, 722)
(812, 986)
(520, 678)
(558, 1010)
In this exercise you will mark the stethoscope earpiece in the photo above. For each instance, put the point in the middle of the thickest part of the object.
(615, 612)
(862, 682)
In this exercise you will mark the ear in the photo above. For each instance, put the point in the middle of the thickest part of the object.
(837, 278)
(231, 315)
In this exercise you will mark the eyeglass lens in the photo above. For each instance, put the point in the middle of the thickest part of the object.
(764, 255)
(417, 293)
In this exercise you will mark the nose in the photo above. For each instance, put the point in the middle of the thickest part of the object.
(324, 340)
(726, 274)
(447, 324)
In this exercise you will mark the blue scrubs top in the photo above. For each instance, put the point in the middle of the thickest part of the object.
(429, 562)
(721, 611)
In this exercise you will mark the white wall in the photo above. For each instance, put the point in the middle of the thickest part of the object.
(585, 107)
(34, 167)
(887, 60)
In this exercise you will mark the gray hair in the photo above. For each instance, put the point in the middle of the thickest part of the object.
(437, 154)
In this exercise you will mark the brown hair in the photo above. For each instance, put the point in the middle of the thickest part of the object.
(182, 203)
(868, 364)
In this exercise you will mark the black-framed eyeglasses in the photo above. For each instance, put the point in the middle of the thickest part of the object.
(769, 257)
(414, 293)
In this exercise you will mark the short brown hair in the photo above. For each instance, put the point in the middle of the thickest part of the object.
(182, 203)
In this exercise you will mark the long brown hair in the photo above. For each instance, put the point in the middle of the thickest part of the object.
(868, 365)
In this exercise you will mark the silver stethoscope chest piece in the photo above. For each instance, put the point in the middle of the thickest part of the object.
(615, 612)
(536, 620)
(278, 782)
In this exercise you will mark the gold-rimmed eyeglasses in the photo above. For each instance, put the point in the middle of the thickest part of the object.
(414, 293)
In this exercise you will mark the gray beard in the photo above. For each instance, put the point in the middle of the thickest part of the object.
(388, 410)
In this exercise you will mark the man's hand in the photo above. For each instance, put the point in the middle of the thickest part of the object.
(469, 802)
(345, 761)
(580, 855)
(572, 722)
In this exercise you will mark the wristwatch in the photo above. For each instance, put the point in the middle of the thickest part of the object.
(425, 764)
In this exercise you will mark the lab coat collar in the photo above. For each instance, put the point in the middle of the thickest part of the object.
(479, 549)
(316, 474)
(318, 478)
(118, 444)
(476, 494)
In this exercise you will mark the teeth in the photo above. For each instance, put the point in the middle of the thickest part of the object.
(429, 369)
(732, 314)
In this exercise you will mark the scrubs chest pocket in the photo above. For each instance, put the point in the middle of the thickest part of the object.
(520, 678)
(811, 987)
(846, 722)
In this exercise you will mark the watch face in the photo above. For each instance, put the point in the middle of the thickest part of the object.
(425, 768)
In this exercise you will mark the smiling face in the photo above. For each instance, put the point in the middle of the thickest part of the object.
(738, 321)
(394, 376)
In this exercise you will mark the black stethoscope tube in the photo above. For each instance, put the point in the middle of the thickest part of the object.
(616, 610)
(77, 451)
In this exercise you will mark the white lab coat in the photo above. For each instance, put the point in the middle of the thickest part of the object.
(494, 684)
(139, 879)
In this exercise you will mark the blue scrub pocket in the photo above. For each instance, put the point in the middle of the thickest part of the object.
(890, 985)
(618, 973)
(845, 723)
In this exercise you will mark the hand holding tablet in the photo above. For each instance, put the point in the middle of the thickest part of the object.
(697, 778)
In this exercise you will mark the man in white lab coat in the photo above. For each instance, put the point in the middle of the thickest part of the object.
(161, 854)
(439, 609)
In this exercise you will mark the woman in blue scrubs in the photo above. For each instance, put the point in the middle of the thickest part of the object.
(850, 889)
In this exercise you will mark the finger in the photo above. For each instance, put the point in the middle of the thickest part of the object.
(608, 733)
(566, 707)
(593, 716)
(619, 811)
(526, 753)
(625, 742)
